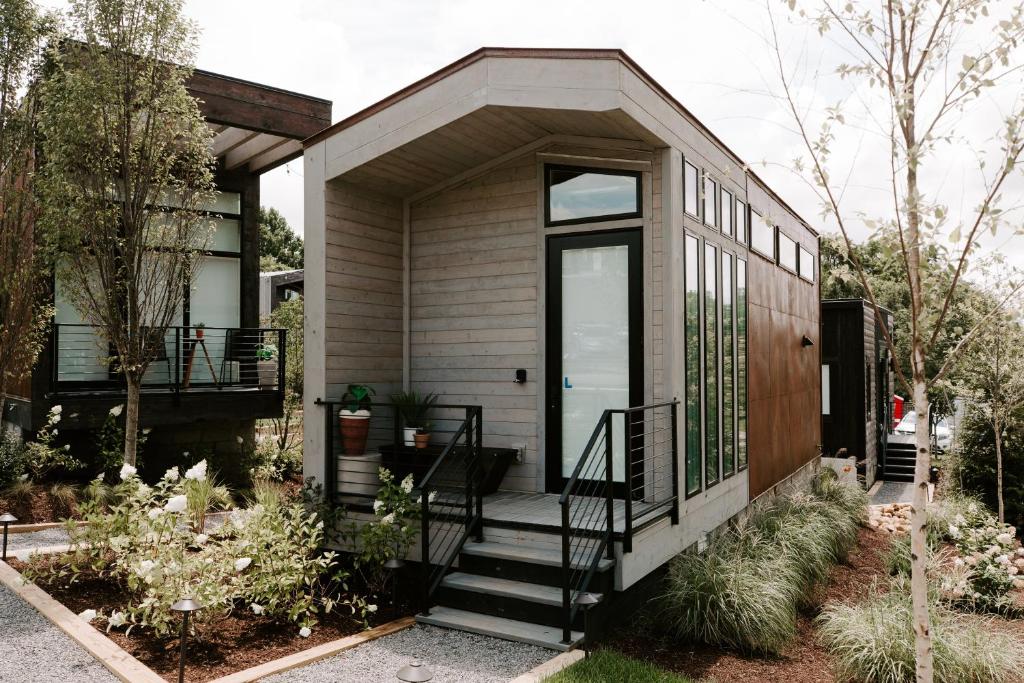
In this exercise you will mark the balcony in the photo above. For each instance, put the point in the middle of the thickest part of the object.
(190, 360)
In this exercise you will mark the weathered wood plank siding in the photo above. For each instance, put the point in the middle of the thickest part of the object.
(473, 304)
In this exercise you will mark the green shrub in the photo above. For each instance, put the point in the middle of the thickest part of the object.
(976, 467)
(873, 642)
(12, 459)
(605, 665)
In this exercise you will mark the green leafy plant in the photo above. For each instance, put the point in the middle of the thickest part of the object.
(358, 397)
(12, 459)
(414, 408)
(391, 533)
(110, 444)
(266, 351)
(43, 456)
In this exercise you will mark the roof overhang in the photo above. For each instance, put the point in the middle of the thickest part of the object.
(256, 127)
(496, 101)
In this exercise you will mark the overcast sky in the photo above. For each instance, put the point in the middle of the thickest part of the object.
(713, 56)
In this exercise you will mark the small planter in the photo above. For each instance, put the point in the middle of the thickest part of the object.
(199, 333)
(355, 427)
(422, 439)
(267, 372)
(409, 436)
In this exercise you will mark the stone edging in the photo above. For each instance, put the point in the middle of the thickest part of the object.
(130, 670)
(108, 653)
(550, 667)
(39, 526)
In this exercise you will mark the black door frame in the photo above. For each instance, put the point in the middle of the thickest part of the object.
(555, 245)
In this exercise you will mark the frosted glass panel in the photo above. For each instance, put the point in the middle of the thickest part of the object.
(226, 236)
(595, 348)
(215, 304)
(82, 352)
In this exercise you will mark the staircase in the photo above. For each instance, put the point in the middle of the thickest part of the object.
(900, 458)
(507, 590)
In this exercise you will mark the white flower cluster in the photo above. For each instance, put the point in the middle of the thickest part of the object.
(197, 472)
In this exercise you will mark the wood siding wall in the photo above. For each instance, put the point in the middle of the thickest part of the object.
(784, 392)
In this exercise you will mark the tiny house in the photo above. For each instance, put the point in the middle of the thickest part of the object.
(619, 318)
(856, 383)
(209, 384)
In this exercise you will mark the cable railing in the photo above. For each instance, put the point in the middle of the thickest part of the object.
(181, 359)
(627, 475)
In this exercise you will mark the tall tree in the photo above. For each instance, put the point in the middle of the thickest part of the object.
(23, 267)
(917, 69)
(280, 247)
(126, 169)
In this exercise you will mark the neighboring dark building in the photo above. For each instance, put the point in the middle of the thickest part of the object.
(856, 383)
(210, 385)
(278, 287)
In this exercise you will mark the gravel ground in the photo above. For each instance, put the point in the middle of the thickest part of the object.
(453, 656)
(36, 650)
(893, 492)
(37, 539)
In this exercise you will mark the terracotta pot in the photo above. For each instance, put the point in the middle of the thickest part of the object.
(354, 430)
(199, 333)
(422, 440)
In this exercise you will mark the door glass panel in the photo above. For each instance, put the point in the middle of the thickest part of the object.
(595, 348)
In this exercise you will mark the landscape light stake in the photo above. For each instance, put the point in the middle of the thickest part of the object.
(393, 565)
(6, 518)
(586, 601)
(186, 606)
(415, 672)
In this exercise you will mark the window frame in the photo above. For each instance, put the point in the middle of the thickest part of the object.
(780, 234)
(705, 179)
(741, 209)
(754, 248)
(690, 239)
(800, 251)
(621, 172)
(697, 173)
(716, 350)
(742, 445)
(722, 192)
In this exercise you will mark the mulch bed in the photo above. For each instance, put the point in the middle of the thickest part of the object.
(803, 661)
(237, 642)
(37, 508)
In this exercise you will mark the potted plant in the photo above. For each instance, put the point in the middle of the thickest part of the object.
(354, 418)
(422, 436)
(200, 329)
(266, 364)
(414, 410)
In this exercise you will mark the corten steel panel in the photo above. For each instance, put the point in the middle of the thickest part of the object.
(784, 377)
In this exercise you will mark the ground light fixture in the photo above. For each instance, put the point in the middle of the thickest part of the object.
(186, 606)
(586, 601)
(6, 520)
(393, 565)
(415, 672)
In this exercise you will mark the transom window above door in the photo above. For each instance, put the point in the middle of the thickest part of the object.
(575, 194)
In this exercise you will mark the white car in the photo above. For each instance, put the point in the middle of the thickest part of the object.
(943, 434)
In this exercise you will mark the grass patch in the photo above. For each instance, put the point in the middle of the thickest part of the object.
(873, 641)
(605, 665)
(744, 589)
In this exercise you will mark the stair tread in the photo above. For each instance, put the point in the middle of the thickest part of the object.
(519, 553)
(531, 592)
(499, 627)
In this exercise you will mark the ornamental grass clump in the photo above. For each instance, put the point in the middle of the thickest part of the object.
(152, 541)
(743, 591)
(873, 642)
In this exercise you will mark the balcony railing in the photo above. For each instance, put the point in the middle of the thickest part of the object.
(184, 359)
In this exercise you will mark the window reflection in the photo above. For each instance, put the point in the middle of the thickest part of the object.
(577, 195)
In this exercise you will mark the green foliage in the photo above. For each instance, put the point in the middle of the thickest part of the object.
(109, 442)
(414, 408)
(976, 466)
(873, 641)
(606, 665)
(278, 456)
(357, 397)
(12, 458)
(744, 589)
(391, 534)
(289, 316)
(265, 559)
(43, 456)
(280, 247)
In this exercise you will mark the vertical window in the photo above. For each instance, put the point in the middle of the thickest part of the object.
(787, 252)
(741, 363)
(762, 235)
(690, 193)
(806, 264)
(741, 222)
(711, 216)
(826, 389)
(727, 211)
(711, 392)
(691, 380)
(728, 368)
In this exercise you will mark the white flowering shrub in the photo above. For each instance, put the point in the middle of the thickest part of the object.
(43, 455)
(265, 559)
(392, 532)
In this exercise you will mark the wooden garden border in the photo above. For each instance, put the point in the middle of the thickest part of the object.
(550, 667)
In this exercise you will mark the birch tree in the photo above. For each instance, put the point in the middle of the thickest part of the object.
(23, 267)
(916, 70)
(127, 168)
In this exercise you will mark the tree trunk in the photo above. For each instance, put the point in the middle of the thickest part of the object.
(919, 537)
(131, 420)
(999, 470)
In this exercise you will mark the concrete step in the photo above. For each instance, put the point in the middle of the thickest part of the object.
(498, 627)
(520, 590)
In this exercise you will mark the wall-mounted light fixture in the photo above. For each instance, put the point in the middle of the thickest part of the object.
(806, 341)
(520, 376)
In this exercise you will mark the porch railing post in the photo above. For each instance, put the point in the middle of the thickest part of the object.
(566, 576)
(627, 535)
(675, 464)
(177, 365)
(329, 465)
(478, 472)
(470, 452)
(609, 476)
(425, 546)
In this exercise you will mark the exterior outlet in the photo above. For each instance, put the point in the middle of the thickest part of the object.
(519, 453)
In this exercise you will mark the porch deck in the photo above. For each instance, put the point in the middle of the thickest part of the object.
(541, 512)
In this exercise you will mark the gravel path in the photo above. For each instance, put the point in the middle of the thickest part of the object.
(36, 650)
(453, 656)
(893, 492)
(37, 539)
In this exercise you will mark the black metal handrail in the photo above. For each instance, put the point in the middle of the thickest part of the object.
(588, 498)
(181, 358)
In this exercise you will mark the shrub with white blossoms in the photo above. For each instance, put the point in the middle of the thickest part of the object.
(43, 456)
(392, 533)
(267, 560)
